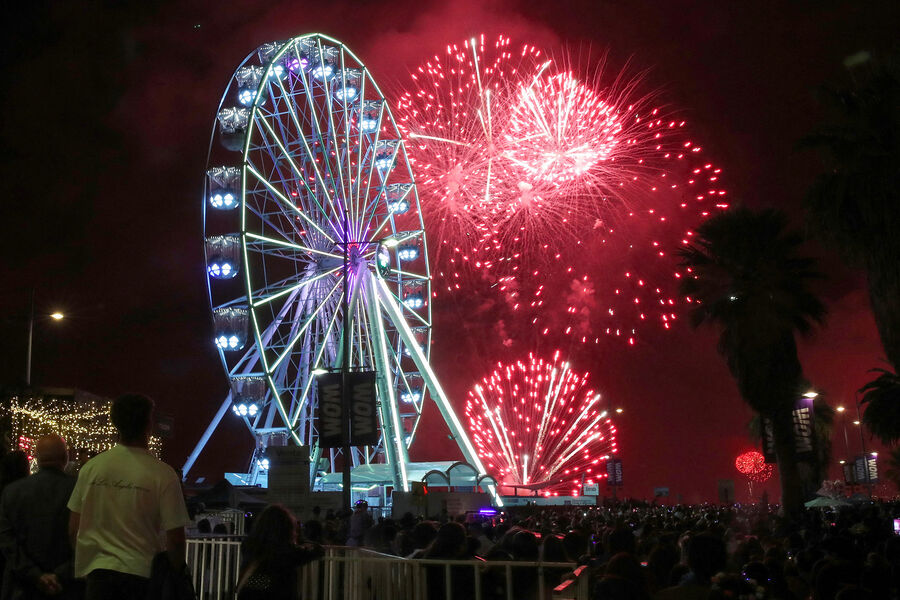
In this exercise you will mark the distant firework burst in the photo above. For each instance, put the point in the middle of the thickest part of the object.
(537, 423)
(542, 173)
(754, 467)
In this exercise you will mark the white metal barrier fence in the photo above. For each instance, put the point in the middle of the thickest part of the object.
(214, 564)
(359, 574)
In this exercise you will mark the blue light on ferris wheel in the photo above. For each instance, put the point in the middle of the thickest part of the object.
(223, 200)
(368, 124)
(221, 270)
(246, 96)
(323, 71)
(345, 93)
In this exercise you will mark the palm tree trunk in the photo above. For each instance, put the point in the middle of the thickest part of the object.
(884, 294)
(785, 451)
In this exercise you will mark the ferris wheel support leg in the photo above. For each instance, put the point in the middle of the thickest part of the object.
(437, 392)
(205, 437)
(394, 442)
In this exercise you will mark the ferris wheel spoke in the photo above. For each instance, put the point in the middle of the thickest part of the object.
(345, 183)
(315, 125)
(266, 219)
(294, 167)
(286, 244)
(370, 159)
(360, 138)
(306, 324)
(306, 281)
(316, 363)
(284, 199)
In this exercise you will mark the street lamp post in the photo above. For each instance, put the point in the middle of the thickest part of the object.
(56, 316)
(862, 443)
(840, 410)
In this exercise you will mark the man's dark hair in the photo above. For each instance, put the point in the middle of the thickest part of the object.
(130, 414)
(706, 556)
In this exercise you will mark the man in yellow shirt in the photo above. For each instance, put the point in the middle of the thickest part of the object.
(125, 503)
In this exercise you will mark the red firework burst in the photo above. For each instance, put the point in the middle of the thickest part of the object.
(754, 467)
(537, 423)
(540, 174)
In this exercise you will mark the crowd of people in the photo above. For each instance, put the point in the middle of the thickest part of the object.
(117, 531)
(638, 551)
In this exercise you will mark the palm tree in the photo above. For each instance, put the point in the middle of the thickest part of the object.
(745, 275)
(814, 471)
(892, 472)
(882, 397)
(853, 203)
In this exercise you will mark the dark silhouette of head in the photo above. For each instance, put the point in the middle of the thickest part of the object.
(131, 416)
(706, 555)
(274, 531)
(621, 540)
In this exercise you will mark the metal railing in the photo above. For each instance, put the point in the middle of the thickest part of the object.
(360, 574)
(214, 563)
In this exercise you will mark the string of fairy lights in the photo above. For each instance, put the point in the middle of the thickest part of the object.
(83, 421)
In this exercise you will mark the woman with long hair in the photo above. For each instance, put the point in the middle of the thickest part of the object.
(271, 555)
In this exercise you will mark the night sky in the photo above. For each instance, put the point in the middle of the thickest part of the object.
(107, 110)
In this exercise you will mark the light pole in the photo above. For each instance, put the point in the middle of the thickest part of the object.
(862, 443)
(56, 316)
(840, 410)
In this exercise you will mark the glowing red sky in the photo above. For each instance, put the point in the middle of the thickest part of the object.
(105, 129)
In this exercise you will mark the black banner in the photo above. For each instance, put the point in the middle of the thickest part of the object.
(804, 432)
(331, 411)
(859, 469)
(614, 472)
(363, 418)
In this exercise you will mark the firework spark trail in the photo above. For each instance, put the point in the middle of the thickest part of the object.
(537, 173)
(536, 422)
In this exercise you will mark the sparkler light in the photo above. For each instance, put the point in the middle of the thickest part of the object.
(540, 173)
(536, 423)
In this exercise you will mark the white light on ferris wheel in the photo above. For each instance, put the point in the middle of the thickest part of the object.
(245, 410)
(414, 301)
(223, 200)
(412, 396)
(408, 253)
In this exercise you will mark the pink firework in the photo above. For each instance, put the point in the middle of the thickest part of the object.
(454, 115)
(549, 181)
(536, 423)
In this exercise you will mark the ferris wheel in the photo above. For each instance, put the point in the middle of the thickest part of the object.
(309, 196)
